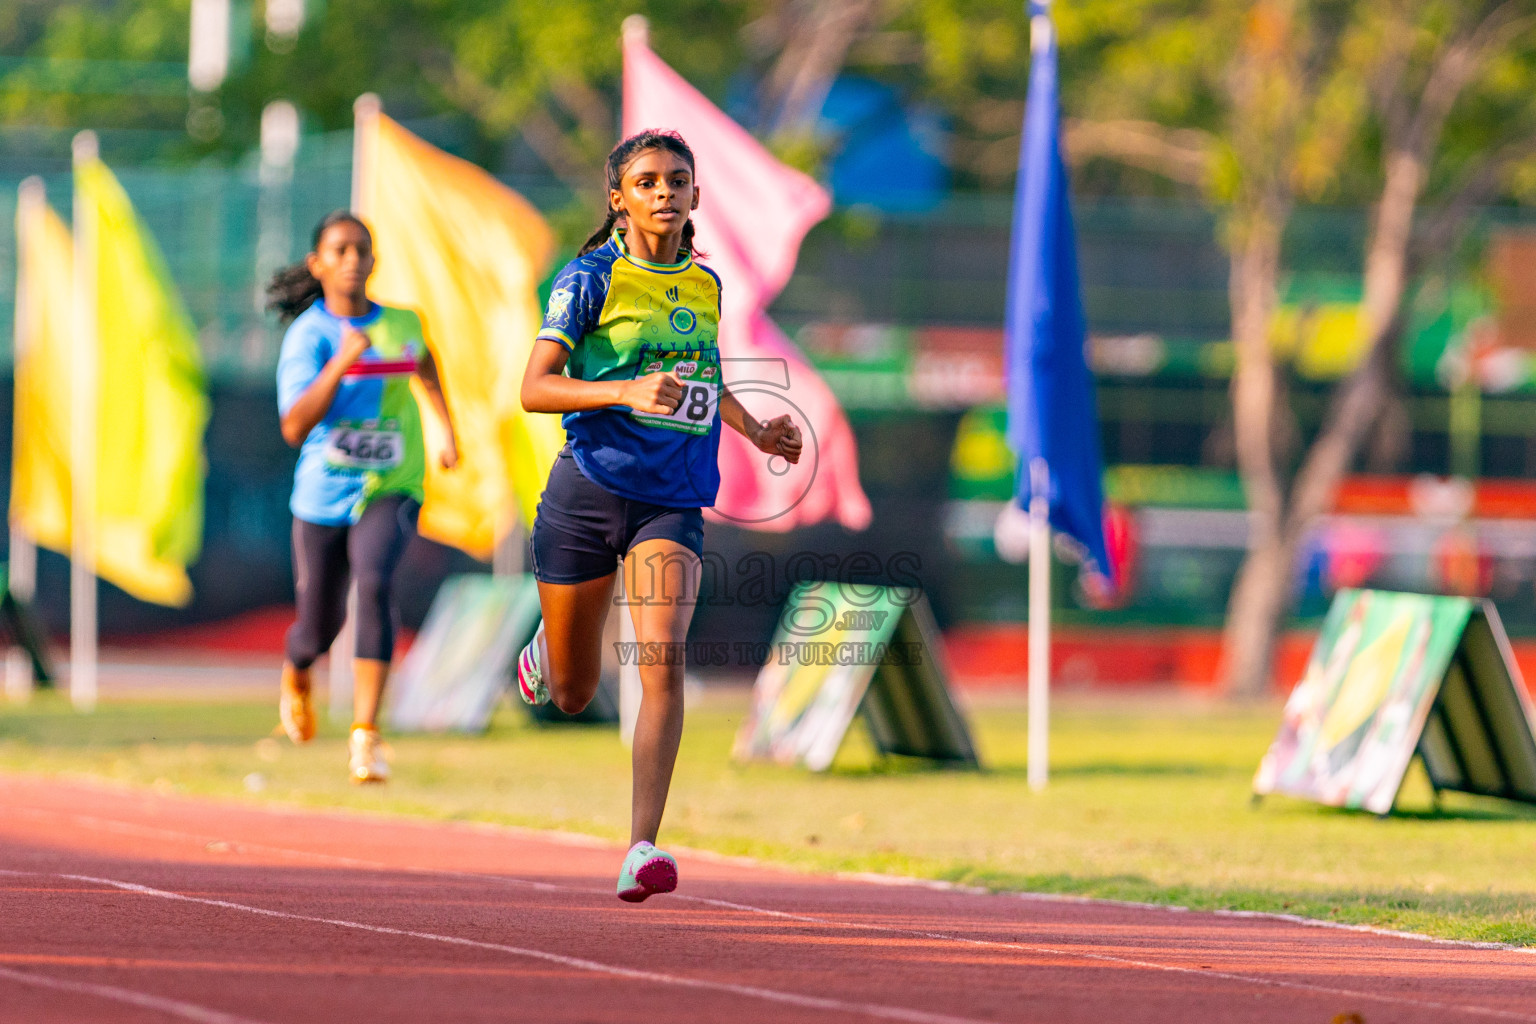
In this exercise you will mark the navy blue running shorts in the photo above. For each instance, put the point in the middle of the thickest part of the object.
(582, 530)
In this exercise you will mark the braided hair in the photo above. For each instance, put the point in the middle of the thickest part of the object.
(293, 289)
(619, 160)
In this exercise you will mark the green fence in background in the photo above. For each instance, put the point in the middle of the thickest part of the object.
(223, 228)
(209, 220)
(1148, 266)
(913, 291)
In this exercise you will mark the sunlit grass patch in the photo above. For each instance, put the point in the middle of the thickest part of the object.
(1148, 801)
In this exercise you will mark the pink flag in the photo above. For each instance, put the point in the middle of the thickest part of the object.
(753, 213)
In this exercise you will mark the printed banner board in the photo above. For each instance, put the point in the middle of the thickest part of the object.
(1394, 674)
(465, 654)
(842, 650)
(451, 678)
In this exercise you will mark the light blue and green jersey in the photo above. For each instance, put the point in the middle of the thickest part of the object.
(369, 441)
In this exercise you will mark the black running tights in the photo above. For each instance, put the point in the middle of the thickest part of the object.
(327, 558)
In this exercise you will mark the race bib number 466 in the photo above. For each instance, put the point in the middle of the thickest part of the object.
(364, 447)
(700, 379)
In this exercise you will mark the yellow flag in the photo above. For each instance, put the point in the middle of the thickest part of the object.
(152, 405)
(40, 491)
(467, 253)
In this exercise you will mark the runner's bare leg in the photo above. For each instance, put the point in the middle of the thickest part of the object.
(571, 657)
(368, 678)
(662, 581)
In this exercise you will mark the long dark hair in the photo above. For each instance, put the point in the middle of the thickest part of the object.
(622, 156)
(294, 289)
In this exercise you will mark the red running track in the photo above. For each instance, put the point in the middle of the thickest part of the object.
(121, 906)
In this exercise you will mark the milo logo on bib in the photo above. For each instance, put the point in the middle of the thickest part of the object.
(699, 375)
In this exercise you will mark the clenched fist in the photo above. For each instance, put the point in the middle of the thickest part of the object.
(353, 344)
(657, 393)
(778, 436)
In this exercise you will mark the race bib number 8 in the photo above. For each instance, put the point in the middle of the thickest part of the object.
(364, 447)
(700, 379)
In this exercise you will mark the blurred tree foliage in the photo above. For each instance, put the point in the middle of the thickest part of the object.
(1161, 92)
(1422, 109)
(53, 88)
(546, 72)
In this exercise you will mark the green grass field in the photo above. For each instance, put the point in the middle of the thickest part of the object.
(1148, 801)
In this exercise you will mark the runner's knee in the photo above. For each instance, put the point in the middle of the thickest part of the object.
(572, 691)
(303, 644)
(571, 703)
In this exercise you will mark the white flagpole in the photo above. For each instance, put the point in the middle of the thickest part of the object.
(364, 110)
(1038, 771)
(274, 201)
(1039, 623)
(507, 556)
(22, 581)
(21, 577)
(82, 444)
(637, 28)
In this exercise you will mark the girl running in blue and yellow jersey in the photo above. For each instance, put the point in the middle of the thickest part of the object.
(343, 390)
(629, 353)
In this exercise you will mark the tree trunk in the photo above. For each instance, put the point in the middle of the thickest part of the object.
(1261, 593)
(1261, 598)
(1280, 516)
(813, 57)
(1386, 264)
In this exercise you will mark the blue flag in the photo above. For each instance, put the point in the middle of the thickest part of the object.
(1052, 415)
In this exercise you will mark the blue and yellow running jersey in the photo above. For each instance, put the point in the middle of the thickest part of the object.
(622, 317)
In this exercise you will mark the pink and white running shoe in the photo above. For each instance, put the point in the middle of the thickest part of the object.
(646, 872)
(530, 676)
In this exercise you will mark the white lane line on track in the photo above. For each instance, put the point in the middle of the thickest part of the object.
(131, 828)
(175, 1007)
(1198, 972)
(899, 882)
(1250, 979)
(575, 963)
(890, 881)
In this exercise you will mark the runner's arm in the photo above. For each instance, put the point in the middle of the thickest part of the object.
(432, 384)
(311, 406)
(547, 389)
(778, 436)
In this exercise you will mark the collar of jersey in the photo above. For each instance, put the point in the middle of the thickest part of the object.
(356, 321)
(660, 268)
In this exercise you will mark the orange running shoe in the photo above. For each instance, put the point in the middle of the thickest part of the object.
(295, 707)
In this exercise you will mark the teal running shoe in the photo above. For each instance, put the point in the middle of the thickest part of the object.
(646, 872)
(530, 674)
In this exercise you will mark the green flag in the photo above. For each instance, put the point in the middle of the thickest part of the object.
(152, 405)
(40, 481)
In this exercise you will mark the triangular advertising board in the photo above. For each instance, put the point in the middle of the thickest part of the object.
(1396, 674)
(456, 670)
(842, 650)
(465, 654)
